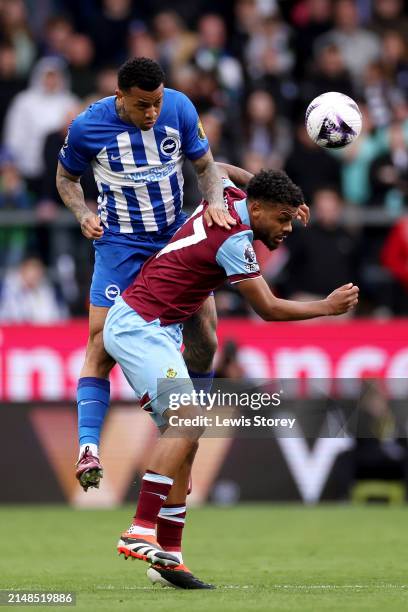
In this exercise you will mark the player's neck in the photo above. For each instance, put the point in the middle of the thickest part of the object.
(122, 114)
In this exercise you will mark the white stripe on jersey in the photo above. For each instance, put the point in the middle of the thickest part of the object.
(122, 212)
(153, 159)
(146, 208)
(125, 149)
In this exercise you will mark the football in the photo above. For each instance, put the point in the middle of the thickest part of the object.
(333, 120)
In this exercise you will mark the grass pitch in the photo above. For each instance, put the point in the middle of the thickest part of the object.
(261, 557)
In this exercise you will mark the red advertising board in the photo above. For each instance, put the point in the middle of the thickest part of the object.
(43, 363)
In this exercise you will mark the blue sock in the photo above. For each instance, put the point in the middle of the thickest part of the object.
(93, 402)
(202, 382)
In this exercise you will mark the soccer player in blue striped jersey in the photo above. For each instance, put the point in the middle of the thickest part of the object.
(136, 142)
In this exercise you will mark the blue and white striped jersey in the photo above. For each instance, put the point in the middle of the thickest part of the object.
(138, 173)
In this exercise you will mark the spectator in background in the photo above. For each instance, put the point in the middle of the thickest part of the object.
(328, 73)
(310, 165)
(389, 173)
(110, 31)
(79, 55)
(358, 46)
(312, 18)
(266, 133)
(53, 143)
(106, 81)
(389, 15)
(212, 55)
(394, 257)
(176, 44)
(268, 49)
(27, 295)
(395, 59)
(247, 18)
(10, 82)
(380, 95)
(324, 257)
(13, 197)
(15, 32)
(357, 158)
(34, 113)
(141, 42)
(57, 36)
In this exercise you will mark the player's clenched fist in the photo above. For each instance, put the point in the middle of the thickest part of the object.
(342, 299)
(91, 226)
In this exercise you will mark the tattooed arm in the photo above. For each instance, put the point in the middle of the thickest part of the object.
(70, 190)
(210, 184)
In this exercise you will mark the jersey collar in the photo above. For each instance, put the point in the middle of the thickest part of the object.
(242, 209)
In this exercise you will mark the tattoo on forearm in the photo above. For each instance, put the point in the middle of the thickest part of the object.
(73, 196)
(210, 184)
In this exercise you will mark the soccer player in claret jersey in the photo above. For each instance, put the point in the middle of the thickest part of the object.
(143, 334)
(136, 142)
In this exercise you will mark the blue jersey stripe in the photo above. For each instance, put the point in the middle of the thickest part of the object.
(113, 219)
(175, 188)
(134, 209)
(139, 154)
(158, 206)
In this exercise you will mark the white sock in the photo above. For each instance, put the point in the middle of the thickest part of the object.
(93, 449)
(141, 530)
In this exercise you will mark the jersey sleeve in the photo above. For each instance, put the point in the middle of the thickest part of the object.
(75, 154)
(237, 256)
(194, 140)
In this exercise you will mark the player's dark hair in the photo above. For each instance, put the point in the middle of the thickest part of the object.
(275, 187)
(141, 72)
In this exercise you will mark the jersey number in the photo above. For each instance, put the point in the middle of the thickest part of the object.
(197, 236)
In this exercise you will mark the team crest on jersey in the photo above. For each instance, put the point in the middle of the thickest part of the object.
(170, 146)
(112, 292)
(171, 373)
(250, 257)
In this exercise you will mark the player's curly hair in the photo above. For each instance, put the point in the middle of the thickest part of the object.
(275, 187)
(141, 72)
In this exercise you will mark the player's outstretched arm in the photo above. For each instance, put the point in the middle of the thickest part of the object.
(210, 184)
(237, 175)
(71, 192)
(271, 308)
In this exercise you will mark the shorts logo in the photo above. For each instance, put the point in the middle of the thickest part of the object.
(112, 292)
(170, 146)
(171, 373)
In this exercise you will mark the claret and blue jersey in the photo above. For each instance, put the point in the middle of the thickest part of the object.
(138, 173)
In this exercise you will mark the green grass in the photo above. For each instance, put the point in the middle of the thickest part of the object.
(262, 557)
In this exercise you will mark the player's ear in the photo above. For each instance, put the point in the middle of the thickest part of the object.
(255, 207)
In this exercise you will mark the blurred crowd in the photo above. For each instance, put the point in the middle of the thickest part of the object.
(251, 67)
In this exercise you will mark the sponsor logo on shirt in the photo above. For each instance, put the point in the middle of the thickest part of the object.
(152, 175)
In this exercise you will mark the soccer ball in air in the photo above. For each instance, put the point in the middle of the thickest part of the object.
(333, 120)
